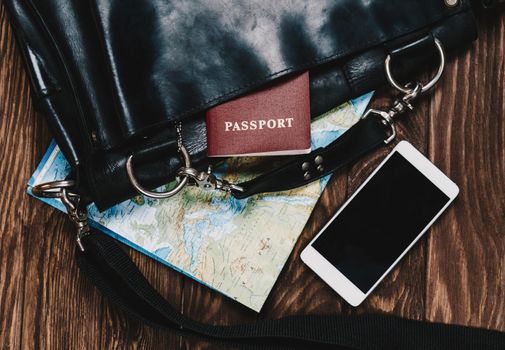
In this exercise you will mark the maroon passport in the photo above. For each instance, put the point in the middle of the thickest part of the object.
(271, 121)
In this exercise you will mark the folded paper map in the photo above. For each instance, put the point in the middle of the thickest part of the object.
(237, 247)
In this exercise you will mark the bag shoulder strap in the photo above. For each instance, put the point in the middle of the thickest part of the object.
(116, 276)
(363, 137)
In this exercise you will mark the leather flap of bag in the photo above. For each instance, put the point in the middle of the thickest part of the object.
(109, 73)
(173, 58)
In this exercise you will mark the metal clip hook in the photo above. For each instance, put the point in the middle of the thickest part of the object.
(386, 120)
(71, 201)
(400, 106)
(410, 93)
(207, 180)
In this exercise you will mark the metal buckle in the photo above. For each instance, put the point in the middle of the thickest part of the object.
(159, 195)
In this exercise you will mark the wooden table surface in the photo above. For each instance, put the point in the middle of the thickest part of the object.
(456, 274)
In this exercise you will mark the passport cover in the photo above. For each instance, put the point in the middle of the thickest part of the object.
(271, 121)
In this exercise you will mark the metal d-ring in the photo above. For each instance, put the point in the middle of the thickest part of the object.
(159, 195)
(52, 189)
(72, 202)
(427, 86)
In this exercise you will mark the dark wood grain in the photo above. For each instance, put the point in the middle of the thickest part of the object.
(466, 267)
(455, 275)
(12, 201)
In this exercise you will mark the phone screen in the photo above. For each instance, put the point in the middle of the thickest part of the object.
(380, 222)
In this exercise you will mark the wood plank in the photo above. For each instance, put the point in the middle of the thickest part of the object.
(54, 293)
(466, 265)
(12, 198)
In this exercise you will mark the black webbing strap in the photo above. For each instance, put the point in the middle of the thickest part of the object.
(117, 277)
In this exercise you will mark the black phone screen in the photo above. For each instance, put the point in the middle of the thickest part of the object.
(381, 221)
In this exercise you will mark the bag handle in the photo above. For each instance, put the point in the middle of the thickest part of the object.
(111, 270)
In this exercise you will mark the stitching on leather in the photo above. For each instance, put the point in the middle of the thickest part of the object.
(264, 79)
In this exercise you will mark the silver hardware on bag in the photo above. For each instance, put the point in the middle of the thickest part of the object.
(182, 181)
(318, 164)
(76, 212)
(410, 91)
(451, 3)
(207, 180)
(185, 175)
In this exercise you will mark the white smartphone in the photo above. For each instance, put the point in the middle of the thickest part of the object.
(376, 227)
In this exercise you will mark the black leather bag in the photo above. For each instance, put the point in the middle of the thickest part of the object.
(112, 77)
